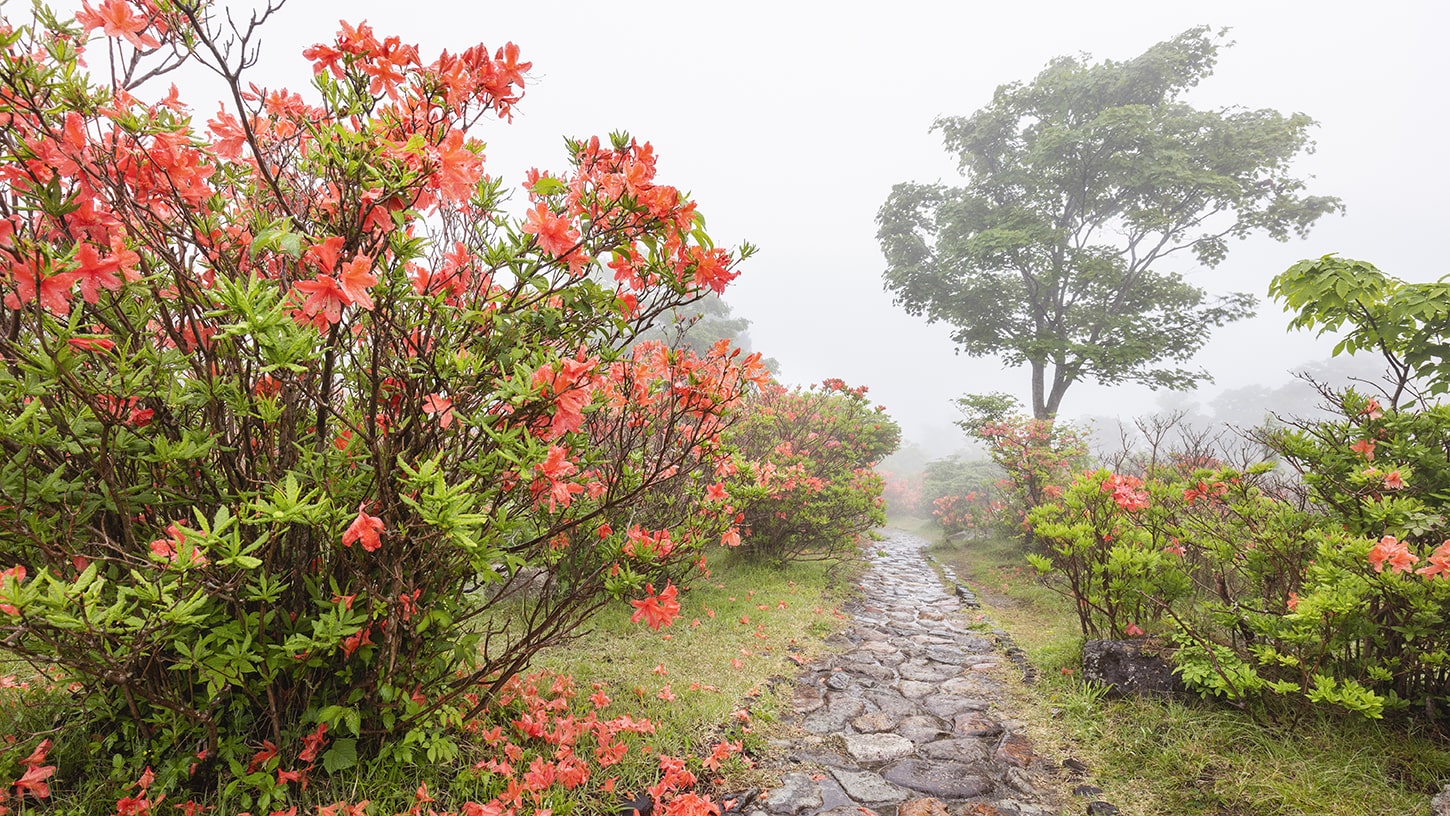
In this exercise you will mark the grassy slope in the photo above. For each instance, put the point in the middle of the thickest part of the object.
(1195, 759)
(715, 666)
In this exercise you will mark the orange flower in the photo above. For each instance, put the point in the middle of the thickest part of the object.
(364, 529)
(656, 610)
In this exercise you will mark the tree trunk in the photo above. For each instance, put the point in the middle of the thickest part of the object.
(1039, 391)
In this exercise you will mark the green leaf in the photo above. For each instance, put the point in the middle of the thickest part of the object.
(340, 756)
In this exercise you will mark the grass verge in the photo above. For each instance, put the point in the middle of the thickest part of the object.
(716, 673)
(1192, 759)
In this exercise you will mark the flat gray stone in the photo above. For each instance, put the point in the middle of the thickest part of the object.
(875, 722)
(976, 644)
(797, 792)
(921, 728)
(948, 780)
(960, 749)
(867, 787)
(948, 706)
(926, 672)
(878, 747)
(915, 688)
(834, 715)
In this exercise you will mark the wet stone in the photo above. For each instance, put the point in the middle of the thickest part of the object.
(878, 747)
(925, 672)
(920, 729)
(961, 749)
(976, 644)
(867, 787)
(891, 702)
(923, 807)
(946, 654)
(976, 725)
(915, 688)
(839, 681)
(875, 722)
(796, 793)
(948, 706)
(1015, 750)
(948, 780)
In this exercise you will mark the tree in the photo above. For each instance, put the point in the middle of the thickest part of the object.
(1407, 323)
(1080, 185)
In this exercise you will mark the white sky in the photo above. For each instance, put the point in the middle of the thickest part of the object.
(790, 121)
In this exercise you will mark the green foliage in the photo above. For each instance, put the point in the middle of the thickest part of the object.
(1080, 185)
(1157, 757)
(303, 437)
(1407, 323)
(1038, 456)
(805, 486)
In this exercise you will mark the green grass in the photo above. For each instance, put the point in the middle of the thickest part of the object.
(767, 620)
(1194, 758)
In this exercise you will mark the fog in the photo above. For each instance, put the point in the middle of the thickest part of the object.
(789, 122)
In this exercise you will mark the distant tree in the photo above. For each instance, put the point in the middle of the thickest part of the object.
(699, 325)
(1079, 185)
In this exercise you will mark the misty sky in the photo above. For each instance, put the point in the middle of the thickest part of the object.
(789, 122)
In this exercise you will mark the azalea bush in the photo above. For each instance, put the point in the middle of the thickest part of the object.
(1039, 457)
(805, 486)
(308, 444)
(1276, 597)
(964, 495)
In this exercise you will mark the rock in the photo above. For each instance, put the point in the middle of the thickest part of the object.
(1130, 667)
(922, 807)
(878, 747)
(833, 717)
(867, 787)
(1094, 790)
(1101, 809)
(948, 780)
(920, 728)
(830, 759)
(1018, 780)
(948, 706)
(915, 688)
(975, 724)
(925, 671)
(967, 686)
(1014, 750)
(1075, 766)
(797, 792)
(1440, 802)
(875, 723)
(946, 654)
(984, 809)
(976, 644)
(961, 750)
(892, 702)
(838, 681)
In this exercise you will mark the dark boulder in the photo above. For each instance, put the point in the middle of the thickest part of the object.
(1130, 667)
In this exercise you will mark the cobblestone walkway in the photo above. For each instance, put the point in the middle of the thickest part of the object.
(910, 718)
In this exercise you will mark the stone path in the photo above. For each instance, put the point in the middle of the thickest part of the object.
(909, 718)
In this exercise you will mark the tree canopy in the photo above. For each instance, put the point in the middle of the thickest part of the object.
(1079, 186)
